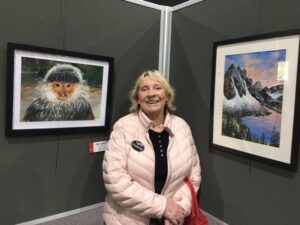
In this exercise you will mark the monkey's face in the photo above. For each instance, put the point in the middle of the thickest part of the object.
(63, 90)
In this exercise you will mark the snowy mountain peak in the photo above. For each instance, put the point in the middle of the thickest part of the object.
(237, 98)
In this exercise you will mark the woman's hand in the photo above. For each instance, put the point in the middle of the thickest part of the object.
(174, 213)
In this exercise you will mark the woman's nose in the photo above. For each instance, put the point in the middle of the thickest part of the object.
(151, 92)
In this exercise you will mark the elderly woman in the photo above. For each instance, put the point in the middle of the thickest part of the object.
(149, 154)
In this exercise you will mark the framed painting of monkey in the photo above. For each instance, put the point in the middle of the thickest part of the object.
(51, 91)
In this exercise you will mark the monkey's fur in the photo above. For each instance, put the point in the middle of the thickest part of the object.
(60, 96)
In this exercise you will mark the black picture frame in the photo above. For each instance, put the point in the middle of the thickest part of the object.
(254, 92)
(54, 91)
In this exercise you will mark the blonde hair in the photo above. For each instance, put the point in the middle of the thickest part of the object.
(159, 77)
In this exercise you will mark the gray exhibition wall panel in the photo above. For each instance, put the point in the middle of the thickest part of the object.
(47, 175)
(234, 189)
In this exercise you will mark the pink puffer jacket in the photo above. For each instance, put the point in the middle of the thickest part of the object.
(129, 174)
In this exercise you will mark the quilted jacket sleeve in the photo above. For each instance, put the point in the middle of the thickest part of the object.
(123, 190)
(184, 192)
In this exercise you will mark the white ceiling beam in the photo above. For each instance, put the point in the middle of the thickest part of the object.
(185, 4)
(147, 4)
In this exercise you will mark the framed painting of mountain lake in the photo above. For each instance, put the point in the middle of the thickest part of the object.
(255, 90)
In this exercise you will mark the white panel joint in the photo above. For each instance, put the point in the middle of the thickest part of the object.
(165, 41)
(165, 30)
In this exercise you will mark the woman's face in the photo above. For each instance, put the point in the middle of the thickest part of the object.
(151, 96)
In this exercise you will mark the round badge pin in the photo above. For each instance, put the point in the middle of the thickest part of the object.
(137, 145)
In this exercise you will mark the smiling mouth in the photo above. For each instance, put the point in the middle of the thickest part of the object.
(152, 101)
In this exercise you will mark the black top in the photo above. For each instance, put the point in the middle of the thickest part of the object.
(160, 142)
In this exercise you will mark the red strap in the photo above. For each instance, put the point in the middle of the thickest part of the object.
(193, 192)
(195, 202)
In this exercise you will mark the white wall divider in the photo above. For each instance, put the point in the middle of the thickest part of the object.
(165, 41)
(165, 30)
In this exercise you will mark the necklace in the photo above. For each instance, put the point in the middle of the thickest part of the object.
(158, 123)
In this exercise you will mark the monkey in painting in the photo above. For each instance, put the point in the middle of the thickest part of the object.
(61, 96)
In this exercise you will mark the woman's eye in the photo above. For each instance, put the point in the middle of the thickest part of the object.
(57, 85)
(68, 85)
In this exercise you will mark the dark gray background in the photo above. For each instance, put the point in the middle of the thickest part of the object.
(46, 175)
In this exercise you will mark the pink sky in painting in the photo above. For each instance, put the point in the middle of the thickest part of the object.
(260, 66)
(267, 75)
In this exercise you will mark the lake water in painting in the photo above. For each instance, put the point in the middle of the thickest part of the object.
(263, 125)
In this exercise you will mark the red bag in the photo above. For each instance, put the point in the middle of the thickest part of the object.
(196, 217)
